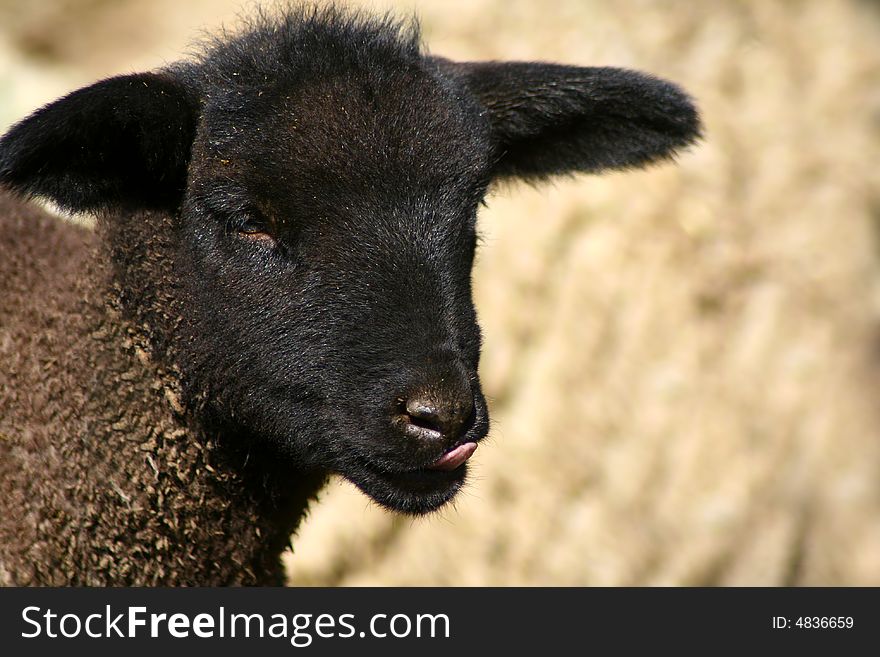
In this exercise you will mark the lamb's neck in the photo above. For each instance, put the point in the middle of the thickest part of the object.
(195, 504)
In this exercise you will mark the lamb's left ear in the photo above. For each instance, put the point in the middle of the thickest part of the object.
(124, 141)
(548, 119)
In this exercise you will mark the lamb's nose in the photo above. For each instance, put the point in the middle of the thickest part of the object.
(433, 414)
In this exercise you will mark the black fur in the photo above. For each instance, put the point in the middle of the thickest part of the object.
(550, 119)
(321, 177)
(124, 141)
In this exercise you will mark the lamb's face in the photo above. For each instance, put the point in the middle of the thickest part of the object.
(328, 239)
(323, 176)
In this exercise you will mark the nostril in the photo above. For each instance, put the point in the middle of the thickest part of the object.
(446, 418)
(425, 414)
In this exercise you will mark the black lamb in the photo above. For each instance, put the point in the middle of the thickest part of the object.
(278, 288)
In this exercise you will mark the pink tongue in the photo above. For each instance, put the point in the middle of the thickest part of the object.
(451, 460)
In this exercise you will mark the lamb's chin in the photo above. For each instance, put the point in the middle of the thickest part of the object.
(415, 493)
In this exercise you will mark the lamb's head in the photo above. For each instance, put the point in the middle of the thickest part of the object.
(319, 179)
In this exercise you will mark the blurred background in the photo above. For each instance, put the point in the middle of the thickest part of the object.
(682, 363)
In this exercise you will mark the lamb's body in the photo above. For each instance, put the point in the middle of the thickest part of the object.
(139, 493)
(278, 287)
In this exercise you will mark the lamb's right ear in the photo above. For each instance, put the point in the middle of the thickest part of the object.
(124, 141)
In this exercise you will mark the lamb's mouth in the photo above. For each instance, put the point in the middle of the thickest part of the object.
(454, 458)
(420, 490)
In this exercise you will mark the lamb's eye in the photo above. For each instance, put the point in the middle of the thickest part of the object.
(253, 229)
(251, 226)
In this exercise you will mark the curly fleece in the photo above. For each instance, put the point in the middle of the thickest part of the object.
(124, 481)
